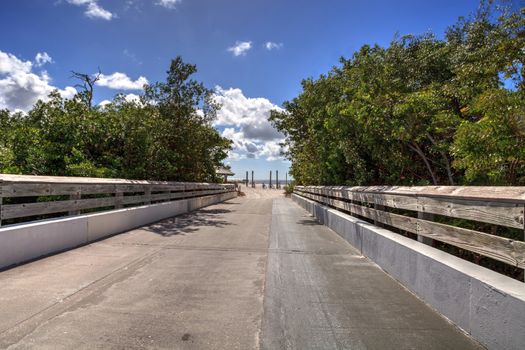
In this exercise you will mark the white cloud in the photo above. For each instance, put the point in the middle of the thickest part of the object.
(272, 150)
(249, 114)
(121, 81)
(269, 45)
(240, 48)
(20, 87)
(10, 63)
(93, 9)
(127, 98)
(169, 4)
(42, 58)
(245, 122)
(132, 98)
(104, 103)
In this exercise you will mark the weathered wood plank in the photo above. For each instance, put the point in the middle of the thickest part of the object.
(165, 196)
(8, 178)
(134, 199)
(157, 188)
(492, 212)
(47, 189)
(15, 186)
(160, 196)
(11, 211)
(499, 213)
(514, 194)
(506, 250)
(30, 179)
(34, 189)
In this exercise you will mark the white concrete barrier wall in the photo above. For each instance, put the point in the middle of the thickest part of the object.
(26, 242)
(485, 304)
(104, 224)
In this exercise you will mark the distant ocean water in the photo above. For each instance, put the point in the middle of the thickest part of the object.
(266, 181)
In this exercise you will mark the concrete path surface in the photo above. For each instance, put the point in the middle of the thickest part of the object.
(254, 272)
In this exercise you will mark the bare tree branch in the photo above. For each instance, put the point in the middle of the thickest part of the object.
(87, 84)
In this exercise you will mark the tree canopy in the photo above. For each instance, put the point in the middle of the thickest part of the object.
(167, 135)
(424, 110)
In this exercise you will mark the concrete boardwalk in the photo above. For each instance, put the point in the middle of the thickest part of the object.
(255, 272)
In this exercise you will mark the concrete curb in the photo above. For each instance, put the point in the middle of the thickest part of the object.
(487, 305)
(26, 242)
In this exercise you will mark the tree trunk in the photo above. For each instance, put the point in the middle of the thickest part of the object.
(415, 147)
(445, 158)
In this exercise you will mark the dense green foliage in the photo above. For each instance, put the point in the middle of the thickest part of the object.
(422, 111)
(166, 136)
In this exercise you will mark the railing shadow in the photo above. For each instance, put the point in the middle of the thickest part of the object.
(230, 202)
(309, 222)
(190, 222)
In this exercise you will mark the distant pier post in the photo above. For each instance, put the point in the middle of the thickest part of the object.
(253, 183)
(247, 181)
(270, 180)
(277, 179)
(286, 178)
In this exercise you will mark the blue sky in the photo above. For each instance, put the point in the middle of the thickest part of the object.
(254, 52)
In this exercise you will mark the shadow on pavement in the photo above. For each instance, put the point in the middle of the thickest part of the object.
(309, 222)
(189, 222)
(229, 202)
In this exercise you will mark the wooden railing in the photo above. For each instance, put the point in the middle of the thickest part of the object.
(24, 198)
(413, 209)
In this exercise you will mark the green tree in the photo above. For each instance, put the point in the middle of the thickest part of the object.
(421, 111)
(167, 135)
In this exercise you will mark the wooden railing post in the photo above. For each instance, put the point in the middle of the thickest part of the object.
(75, 196)
(423, 216)
(119, 196)
(147, 194)
(379, 207)
(428, 217)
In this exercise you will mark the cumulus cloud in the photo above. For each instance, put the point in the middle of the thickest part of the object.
(169, 4)
(42, 58)
(245, 122)
(132, 98)
(93, 9)
(10, 63)
(269, 45)
(272, 150)
(121, 81)
(240, 48)
(20, 87)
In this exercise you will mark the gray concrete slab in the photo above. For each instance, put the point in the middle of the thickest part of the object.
(487, 305)
(322, 294)
(191, 282)
(253, 272)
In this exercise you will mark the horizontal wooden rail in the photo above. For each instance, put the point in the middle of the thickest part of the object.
(24, 196)
(502, 206)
